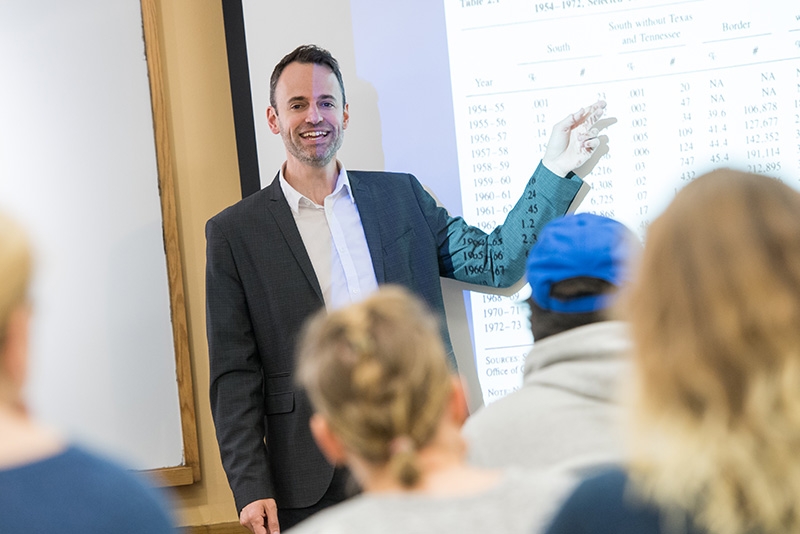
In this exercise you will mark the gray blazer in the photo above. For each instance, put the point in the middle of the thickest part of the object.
(261, 287)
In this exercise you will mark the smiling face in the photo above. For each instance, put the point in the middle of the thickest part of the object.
(309, 115)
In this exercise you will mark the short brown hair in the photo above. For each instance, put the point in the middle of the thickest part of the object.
(305, 54)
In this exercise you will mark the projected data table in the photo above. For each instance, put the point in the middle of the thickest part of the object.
(691, 86)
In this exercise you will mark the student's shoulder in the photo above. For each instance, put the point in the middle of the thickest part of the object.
(605, 502)
(122, 497)
(338, 519)
(602, 488)
(111, 469)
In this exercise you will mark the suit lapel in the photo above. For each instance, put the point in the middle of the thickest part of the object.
(370, 221)
(284, 219)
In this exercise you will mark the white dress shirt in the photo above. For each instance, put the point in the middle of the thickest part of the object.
(335, 242)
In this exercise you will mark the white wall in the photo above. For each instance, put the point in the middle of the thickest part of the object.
(77, 167)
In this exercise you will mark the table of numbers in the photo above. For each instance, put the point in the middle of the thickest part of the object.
(690, 86)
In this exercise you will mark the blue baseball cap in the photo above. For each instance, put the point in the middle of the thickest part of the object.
(582, 245)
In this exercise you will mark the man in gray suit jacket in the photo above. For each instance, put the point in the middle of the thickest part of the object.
(321, 236)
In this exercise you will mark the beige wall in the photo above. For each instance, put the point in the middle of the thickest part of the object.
(206, 181)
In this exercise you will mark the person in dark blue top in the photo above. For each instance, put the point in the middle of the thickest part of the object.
(46, 484)
(605, 504)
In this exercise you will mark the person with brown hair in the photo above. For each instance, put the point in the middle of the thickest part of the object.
(715, 398)
(46, 483)
(388, 406)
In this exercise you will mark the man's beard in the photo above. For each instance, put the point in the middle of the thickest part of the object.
(309, 155)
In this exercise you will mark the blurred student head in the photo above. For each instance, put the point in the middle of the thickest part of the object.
(575, 270)
(715, 319)
(15, 274)
(377, 375)
(54, 482)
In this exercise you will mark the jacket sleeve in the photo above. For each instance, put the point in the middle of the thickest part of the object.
(236, 375)
(497, 259)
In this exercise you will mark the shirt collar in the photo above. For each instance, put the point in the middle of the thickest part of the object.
(294, 197)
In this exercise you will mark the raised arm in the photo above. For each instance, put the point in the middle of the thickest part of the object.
(498, 259)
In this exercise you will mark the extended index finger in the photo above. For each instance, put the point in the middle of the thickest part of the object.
(591, 114)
